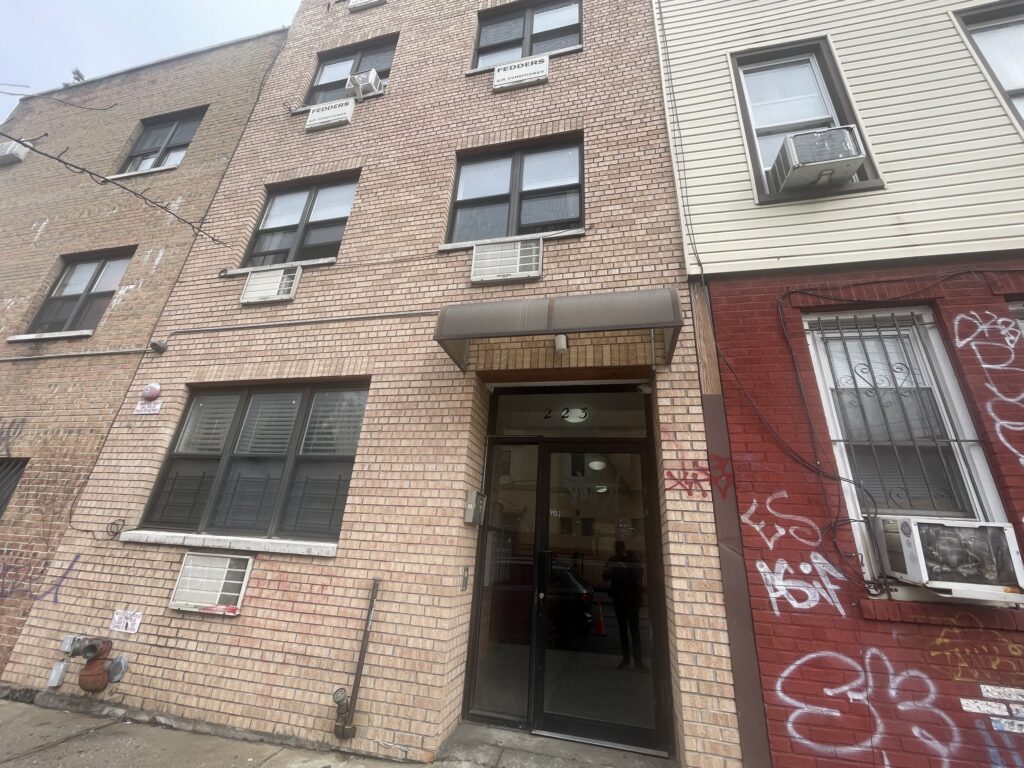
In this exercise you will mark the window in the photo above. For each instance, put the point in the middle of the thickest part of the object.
(163, 142)
(897, 418)
(302, 224)
(786, 90)
(529, 30)
(261, 462)
(998, 34)
(81, 295)
(518, 193)
(330, 83)
(10, 474)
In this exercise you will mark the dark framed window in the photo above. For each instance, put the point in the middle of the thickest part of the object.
(997, 32)
(335, 68)
(792, 88)
(163, 141)
(526, 191)
(261, 462)
(529, 29)
(81, 295)
(302, 224)
(10, 474)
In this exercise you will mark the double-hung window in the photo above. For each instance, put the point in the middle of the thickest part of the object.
(163, 142)
(998, 34)
(787, 90)
(517, 193)
(262, 462)
(897, 418)
(330, 83)
(302, 224)
(10, 474)
(528, 30)
(81, 295)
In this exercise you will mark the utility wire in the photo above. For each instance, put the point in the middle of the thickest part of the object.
(99, 178)
(61, 101)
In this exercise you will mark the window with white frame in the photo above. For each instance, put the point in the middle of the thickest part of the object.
(897, 419)
(998, 34)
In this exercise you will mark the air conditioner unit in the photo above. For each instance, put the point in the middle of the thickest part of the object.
(828, 157)
(964, 559)
(12, 152)
(265, 285)
(364, 84)
(509, 260)
(211, 584)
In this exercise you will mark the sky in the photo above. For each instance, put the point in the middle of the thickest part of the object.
(41, 41)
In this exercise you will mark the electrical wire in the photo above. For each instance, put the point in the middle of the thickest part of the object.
(61, 101)
(100, 179)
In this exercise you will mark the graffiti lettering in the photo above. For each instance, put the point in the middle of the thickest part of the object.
(781, 586)
(995, 342)
(21, 580)
(976, 654)
(800, 528)
(858, 697)
(10, 430)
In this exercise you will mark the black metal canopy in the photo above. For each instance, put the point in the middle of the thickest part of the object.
(459, 324)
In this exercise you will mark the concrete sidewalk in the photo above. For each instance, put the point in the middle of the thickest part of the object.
(35, 737)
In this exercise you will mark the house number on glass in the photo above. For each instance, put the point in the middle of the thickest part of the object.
(571, 415)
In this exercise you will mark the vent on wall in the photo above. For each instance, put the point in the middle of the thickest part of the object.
(515, 260)
(265, 285)
(211, 584)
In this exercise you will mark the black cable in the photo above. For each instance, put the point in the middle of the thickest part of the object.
(99, 178)
(61, 101)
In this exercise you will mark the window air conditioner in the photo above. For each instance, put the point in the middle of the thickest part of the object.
(509, 260)
(12, 152)
(364, 84)
(963, 559)
(211, 584)
(265, 285)
(828, 157)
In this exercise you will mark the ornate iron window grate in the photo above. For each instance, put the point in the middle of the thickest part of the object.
(10, 474)
(893, 419)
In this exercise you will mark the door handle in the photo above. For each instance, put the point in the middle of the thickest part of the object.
(540, 596)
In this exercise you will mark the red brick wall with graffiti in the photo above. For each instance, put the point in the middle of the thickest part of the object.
(849, 679)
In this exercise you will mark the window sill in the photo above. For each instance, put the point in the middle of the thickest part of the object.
(49, 336)
(554, 235)
(817, 193)
(146, 172)
(307, 263)
(238, 543)
(551, 54)
(947, 613)
(354, 7)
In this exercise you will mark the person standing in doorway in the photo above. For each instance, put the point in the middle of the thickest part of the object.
(622, 572)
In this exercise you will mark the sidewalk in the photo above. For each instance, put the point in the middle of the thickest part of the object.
(34, 737)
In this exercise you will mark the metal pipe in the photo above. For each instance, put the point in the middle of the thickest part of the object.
(343, 726)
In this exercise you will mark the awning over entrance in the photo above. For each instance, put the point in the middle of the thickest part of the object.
(657, 309)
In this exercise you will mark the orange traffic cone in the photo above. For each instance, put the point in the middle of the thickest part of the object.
(599, 629)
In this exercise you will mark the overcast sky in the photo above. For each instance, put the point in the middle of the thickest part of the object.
(41, 41)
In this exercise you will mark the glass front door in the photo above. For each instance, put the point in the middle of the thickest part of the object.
(568, 634)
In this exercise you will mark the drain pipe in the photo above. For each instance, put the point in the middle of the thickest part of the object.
(343, 727)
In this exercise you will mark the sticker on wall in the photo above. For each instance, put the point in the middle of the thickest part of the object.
(148, 408)
(126, 621)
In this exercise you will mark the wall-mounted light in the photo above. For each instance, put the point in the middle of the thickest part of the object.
(597, 462)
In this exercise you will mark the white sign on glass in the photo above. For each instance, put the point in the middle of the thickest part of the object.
(332, 113)
(522, 72)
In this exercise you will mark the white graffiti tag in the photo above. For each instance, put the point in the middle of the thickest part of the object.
(995, 342)
(826, 688)
(800, 528)
(798, 592)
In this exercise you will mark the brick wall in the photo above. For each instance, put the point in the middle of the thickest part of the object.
(862, 681)
(57, 411)
(273, 668)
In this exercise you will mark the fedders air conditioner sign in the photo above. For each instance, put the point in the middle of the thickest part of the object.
(522, 72)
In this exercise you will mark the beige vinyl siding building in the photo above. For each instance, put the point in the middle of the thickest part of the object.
(945, 142)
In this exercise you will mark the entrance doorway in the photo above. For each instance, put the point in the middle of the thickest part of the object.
(568, 629)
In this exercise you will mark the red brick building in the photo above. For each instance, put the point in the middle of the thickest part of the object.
(862, 376)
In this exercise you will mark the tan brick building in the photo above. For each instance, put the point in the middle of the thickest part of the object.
(321, 428)
(86, 272)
